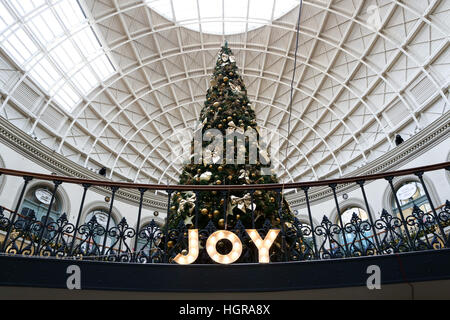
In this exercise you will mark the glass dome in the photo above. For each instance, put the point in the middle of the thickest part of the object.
(222, 16)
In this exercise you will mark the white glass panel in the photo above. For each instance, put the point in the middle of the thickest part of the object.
(218, 14)
(24, 7)
(210, 8)
(163, 7)
(6, 19)
(41, 32)
(185, 9)
(236, 8)
(284, 6)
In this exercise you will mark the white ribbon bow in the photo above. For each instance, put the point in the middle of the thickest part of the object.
(235, 88)
(232, 128)
(245, 174)
(212, 156)
(243, 203)
(189, 202)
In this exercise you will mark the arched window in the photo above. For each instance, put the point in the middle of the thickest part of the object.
(37, 200)
(355, 219)
(348, 214)
(101, 217)
(409, 194)
(149, 238)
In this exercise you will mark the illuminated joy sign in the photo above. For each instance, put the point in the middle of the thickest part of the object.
(263, 246)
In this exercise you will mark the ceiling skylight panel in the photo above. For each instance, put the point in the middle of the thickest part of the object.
(163, 7)
(261, 10)
(70, 14)
(66, 96)
(66, 55)
(102, 67)
(87, 42)
(85, 80)
(236, 8)
(19, 45)
(52, 39)
(283, 7)
(46, 27)
(235, 27)
(6, 19)
(24, 7)
(223, 16)
(185, 9)
(211, 8)
(45, 74)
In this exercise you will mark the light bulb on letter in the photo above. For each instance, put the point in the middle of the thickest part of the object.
(263, 245)
(193, 249)
(232, 256)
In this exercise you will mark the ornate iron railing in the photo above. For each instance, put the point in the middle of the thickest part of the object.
(383, 234)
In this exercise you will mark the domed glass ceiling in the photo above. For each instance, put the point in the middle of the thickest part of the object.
(53, 41)
(108, 83)
(222, 16)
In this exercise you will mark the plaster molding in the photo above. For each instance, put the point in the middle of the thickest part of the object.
(417, 145)
(37, 152)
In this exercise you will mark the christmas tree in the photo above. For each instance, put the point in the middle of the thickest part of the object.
(227, 119)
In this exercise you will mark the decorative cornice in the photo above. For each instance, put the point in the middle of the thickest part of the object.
(19, 141)
(423, 141)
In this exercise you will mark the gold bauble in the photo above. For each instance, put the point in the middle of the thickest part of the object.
(216, 213)
(238, 216)
(222, 201)
(258, 192)
(220, 168)
(272, 199)
(173, 208)
(184, 252)
(210, 216)
(214, 192)
(225, 79)
(221, 223)
(216, 104)
(220, 126)
(170, 244)
(204, 211)
(230, 177)
(218, 182)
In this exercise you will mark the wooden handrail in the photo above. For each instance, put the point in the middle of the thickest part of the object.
(127, 185)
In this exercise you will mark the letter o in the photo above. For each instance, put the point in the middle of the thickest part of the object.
(231, 257)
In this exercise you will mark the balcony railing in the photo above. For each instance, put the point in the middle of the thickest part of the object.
(383, 234)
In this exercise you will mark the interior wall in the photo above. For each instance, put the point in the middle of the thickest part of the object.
(378, 192)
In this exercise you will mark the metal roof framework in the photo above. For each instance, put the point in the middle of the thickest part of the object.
(369, 69)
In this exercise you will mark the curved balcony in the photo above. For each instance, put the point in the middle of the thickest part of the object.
(409, 243)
